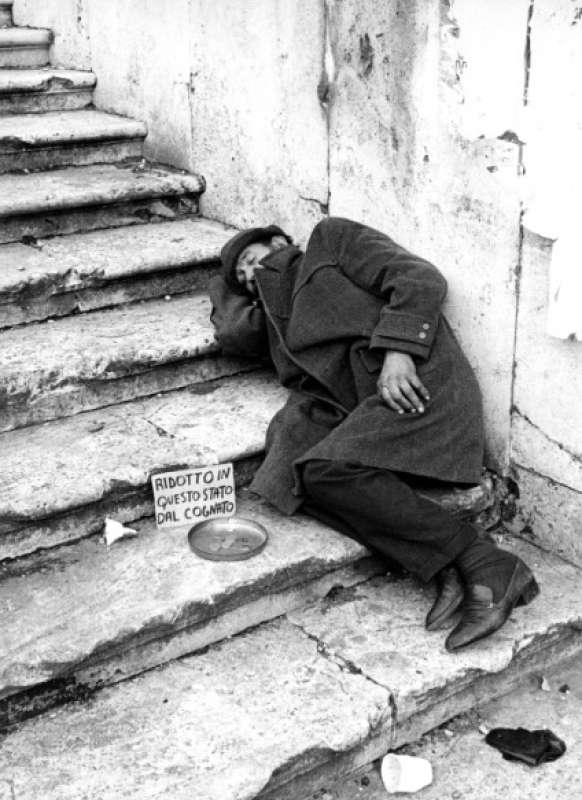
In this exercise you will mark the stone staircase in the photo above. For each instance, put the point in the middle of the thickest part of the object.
(141, 670)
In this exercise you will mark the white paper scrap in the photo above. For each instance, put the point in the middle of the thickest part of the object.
(114, 531)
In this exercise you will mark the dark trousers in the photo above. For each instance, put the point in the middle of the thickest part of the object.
(380, 509)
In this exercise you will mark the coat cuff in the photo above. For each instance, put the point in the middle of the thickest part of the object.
(409, 333)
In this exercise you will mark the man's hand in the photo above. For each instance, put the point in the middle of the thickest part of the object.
(399, 385)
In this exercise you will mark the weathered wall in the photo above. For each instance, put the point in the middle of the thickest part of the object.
(547, 415)
(259, 135)
(417, 113)
(141, 56)
(68, 20)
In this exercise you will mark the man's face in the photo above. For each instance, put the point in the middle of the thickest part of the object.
(247, 263)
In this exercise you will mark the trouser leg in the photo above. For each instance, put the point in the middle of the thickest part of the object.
(382, 511)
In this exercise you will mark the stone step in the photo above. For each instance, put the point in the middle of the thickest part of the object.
(77, 617)
(24, 47)
(67, 138)
(278, 712)
(58, 368)
(59, 480)
(26, 91)
(66, 274)
(6, 14)
(88, 198)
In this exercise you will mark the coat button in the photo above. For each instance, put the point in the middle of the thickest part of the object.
(426, 326)
(422, 335)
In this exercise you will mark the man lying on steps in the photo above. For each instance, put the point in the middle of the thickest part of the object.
(381, 397)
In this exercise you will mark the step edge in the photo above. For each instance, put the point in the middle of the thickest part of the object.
(132, 129)
(197, 186)
(283, 590)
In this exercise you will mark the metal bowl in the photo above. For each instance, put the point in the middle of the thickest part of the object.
(227, 539)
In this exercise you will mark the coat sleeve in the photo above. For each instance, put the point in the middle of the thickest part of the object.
(413, 288)
(238, 320)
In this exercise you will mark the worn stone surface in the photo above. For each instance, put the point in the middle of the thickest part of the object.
(415, 121)
(24, 47)
(25, 91)
(76, 462)
(78, 272)
(251, 711)
(89, 186)
(23, 130)
(99, 196)
(58, 368)
(80, 614)
(550, 514)
(59, 138)
(534, 448)
(379, 628)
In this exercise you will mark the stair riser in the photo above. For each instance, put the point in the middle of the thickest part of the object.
(91, 218)
(124, 505)
(40, 102)
(56, 402)
(78, 155)
(136, 655)
(23, 57)
(39, 302)
(5, 16)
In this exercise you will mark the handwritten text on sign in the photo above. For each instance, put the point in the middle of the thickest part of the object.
(186, 496)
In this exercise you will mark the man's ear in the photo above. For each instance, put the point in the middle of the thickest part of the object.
(278, 242)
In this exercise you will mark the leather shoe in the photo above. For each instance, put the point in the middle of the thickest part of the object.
(450, 595)
(482, 616)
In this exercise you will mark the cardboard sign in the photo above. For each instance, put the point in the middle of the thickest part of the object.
(188, 496)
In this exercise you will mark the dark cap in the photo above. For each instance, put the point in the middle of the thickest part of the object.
(234, 247)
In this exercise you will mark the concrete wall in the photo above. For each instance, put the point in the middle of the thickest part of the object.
(417, 116)
(547, 414)
(69, 22)
(415, 150)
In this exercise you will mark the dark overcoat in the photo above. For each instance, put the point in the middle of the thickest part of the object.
(326, 318)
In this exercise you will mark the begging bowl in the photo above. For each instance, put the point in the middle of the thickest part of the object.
(227, 539)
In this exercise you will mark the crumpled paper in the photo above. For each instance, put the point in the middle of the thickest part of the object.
(113, 531)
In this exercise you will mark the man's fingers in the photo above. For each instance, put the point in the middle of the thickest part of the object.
(399, 398)
(420, 387)
(386, 397)
(413, 397)
(389, 399)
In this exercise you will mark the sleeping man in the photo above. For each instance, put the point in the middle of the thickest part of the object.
(381, 401)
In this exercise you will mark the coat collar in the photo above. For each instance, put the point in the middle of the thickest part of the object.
(276, 278)
(280, 260)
